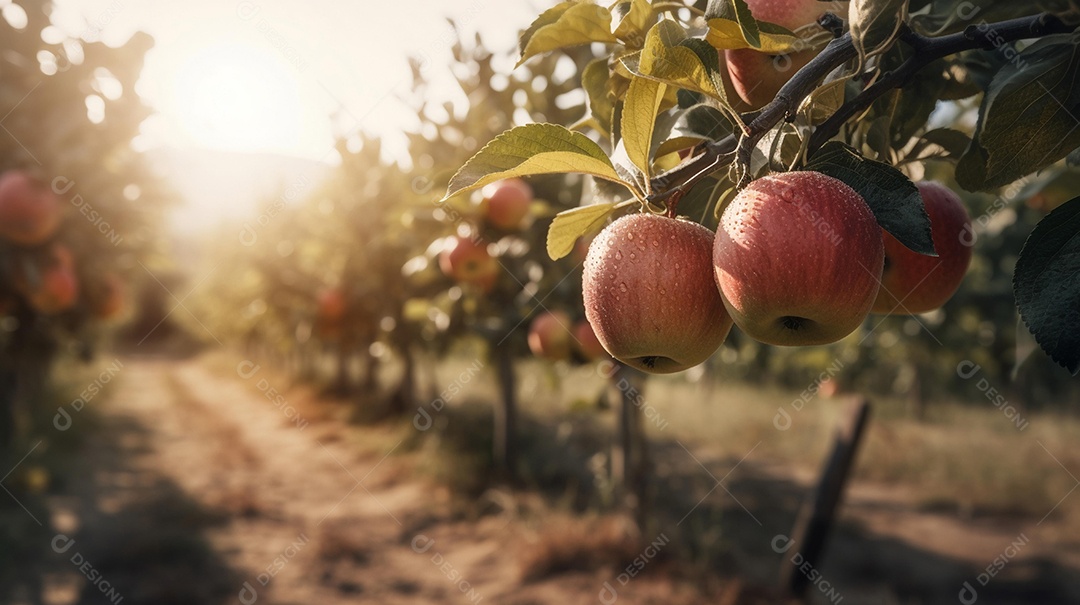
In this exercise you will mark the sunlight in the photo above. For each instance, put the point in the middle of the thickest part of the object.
(234, 97)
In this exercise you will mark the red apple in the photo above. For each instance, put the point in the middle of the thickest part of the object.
(468, 262)
(54, 287)
(587, 343)
(798, 259)
(110, 299)
(507, 203)
(332, 305)
(649, 293)
(549, 335)
(915, 283)
(29, 210)
(756, 76)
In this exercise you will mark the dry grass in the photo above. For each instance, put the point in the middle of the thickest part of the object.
(969, 458)
(566, 543)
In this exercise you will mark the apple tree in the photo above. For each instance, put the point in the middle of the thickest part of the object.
(494, 278)
(77, 202)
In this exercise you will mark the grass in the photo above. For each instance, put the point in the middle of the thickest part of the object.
(964, 457)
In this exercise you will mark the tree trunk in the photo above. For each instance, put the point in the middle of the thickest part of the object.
(343, 381)
(8, 384)
(630, 456)
(505, 442)
(371, 373)
(404, 398)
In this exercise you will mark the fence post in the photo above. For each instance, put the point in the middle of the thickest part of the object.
(816, 518)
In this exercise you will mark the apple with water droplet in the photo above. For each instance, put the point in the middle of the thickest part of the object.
(798, 259)
(650, 296)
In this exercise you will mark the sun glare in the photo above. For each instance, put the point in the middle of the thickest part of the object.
(235, 97)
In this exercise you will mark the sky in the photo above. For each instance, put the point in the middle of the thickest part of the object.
(266, 75)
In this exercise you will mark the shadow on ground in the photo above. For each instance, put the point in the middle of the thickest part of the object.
(110, 531)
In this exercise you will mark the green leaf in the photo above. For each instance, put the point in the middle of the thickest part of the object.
(594, 79)
(1027, 120)
(571, 224)
(1073, 159)
(1046, 286)
(732, 26)
(874, 24)
(824, 101)
(694, 125)
(952, 141)
(672, 57)
(566, 24)
(532, 149)
(638, 119)
(948, 16)
(893, 198)
(734, 21)
(632, 20)
(725, 34)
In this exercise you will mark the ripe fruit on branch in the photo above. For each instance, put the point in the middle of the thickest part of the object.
(587, 343)
(650, 296)
(757, 76)
(29, 210)
(52, 287)
(549, 335)
(915, 283)
(469, 262)
(331, 305)
(798, 257)
(507, 203)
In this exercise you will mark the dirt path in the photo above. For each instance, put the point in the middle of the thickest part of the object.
(201, 488)
(288, 510)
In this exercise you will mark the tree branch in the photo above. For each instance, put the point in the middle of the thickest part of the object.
(928, 50)
(839, 51)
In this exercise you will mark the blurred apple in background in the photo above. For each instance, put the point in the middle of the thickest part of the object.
(469, 262)
(507, 203)
(549, 336)
(29, 210)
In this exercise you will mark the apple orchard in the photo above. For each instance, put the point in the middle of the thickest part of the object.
(756, 191)
(651, 205)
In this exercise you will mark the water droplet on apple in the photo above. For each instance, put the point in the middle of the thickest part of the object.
(633, 256)
(618, 255)
(622, 287)
(630, 235)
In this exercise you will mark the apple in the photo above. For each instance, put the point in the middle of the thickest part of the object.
(110, 300)
(29, 210)
(549, 335)
(468, 262)
(757, 76)
(915, 283)
(332, 305)
(55, 288)
(649, 293)
(507, 203)
(798, 259)
(586, 341)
